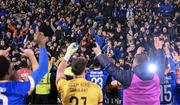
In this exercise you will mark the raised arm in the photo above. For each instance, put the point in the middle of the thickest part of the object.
(38, 74)
(160, 58)
(62, 66)
(52, 26)
(93, 30)
(124, 76)
(60, 72)
(25, 29)
(12, 28)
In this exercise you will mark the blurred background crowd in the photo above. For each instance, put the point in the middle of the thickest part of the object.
(118, 26)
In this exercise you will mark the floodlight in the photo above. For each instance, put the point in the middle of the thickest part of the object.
(152, 68)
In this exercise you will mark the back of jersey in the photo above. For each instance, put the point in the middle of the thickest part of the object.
(167, 91)
(79, 91)
(98, 77)
(13, 92)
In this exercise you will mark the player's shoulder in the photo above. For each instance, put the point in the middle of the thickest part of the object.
(105, 71)
(13, 85)
(62, 82)
(15, 82)
(96, 88)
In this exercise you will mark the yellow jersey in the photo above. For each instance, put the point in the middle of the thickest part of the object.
(79, 91)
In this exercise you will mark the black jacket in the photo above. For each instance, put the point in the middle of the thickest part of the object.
(125, 76)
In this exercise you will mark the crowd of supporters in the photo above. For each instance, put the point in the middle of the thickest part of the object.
(119, 27)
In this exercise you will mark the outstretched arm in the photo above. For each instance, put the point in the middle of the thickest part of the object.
(160, 58)
(43, 66)
(124, 76)
(62, 66)
(52, 26)
(12, 28)
(38, 74)
(60, 72)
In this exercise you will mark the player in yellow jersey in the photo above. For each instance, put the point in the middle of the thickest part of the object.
(77, 91)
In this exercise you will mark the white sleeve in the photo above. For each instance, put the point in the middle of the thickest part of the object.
(32, 83)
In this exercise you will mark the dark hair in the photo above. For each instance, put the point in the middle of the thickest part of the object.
(96, 63)
(141, 58)
(78, 65)
(4, 64)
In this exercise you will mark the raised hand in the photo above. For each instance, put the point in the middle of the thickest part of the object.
(97, 50)
(72, 48)
(139, 50)
(5, 52)
(52, 20)
(26, 52)
(40, 39)
(114, 83)
(94, 24)
(8, 21)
